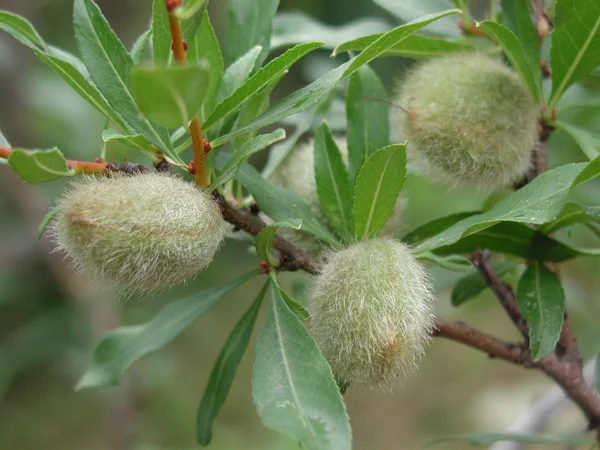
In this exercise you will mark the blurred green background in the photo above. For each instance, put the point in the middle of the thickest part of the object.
(50, 317)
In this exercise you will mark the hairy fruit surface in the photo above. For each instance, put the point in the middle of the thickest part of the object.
(471, 119)
(371, 311)
(142, 233)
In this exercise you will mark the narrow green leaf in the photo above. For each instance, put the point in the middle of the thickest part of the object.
(570, 215)
(39, 166)
(251, 110)
(539, 202)
(368, 117)
(279, 204)
(242, 155)
(233, 78)
(121, 347)
(171, 96)
(204, 46)
(223, 373)
(136, 141)
(407, 10)
(487, 439)
(111, 67)
(541, 300)
(515, 53)
(21, 29)
(516, 239)
(315, 92)
(333, 183)
(415, 46)
(435, 227)
(48, 218)
(517, 18)
(454, 263)
(250, 24)
(191, 8)
(262, 78)
(161, 34)
(295, 27)
(392, 38)
(81, 85)
(294, 306)
(264, 239)
(293, 388)
(139, 46)
(470, 286)
(575, 48)
(378, 186)
(588, 142)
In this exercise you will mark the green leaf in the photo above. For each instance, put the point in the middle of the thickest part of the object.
(295, 27)
(250, 24)
(223, 373)
(541, 300)
(171, 96)
(233, 78)
(39, 166)
(435, 227)
(48, 218)
(136, 141)
(572, 214)
(470, 286)
(454, 263)
(279, 204)
(264, 239)
(315, 92)
(516, 239)
(415, 46)
(21, 29)
(539, 202)
(121, 347)
(139, 46)
(204, 46)
(487, 439)
(575, 48)
(392, 38)
(111, 67)
(378, 186)
(242, 154)
(407, 10)
(293, 388)
(515, 53)
(81, 85)
(368, 117)
(191, 8)
(587, 141)
(161, 34)
(333, 182)
(517, 18)
(294, 306)
(262, 78)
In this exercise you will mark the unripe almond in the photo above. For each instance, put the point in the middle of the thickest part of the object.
(141, 233)
(296, 173)
(471, 119)
(371, 311)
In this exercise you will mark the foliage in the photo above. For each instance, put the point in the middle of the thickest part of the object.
(149, 99)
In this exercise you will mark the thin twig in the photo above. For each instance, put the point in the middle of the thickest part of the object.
(502, 290)
(180, 52)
